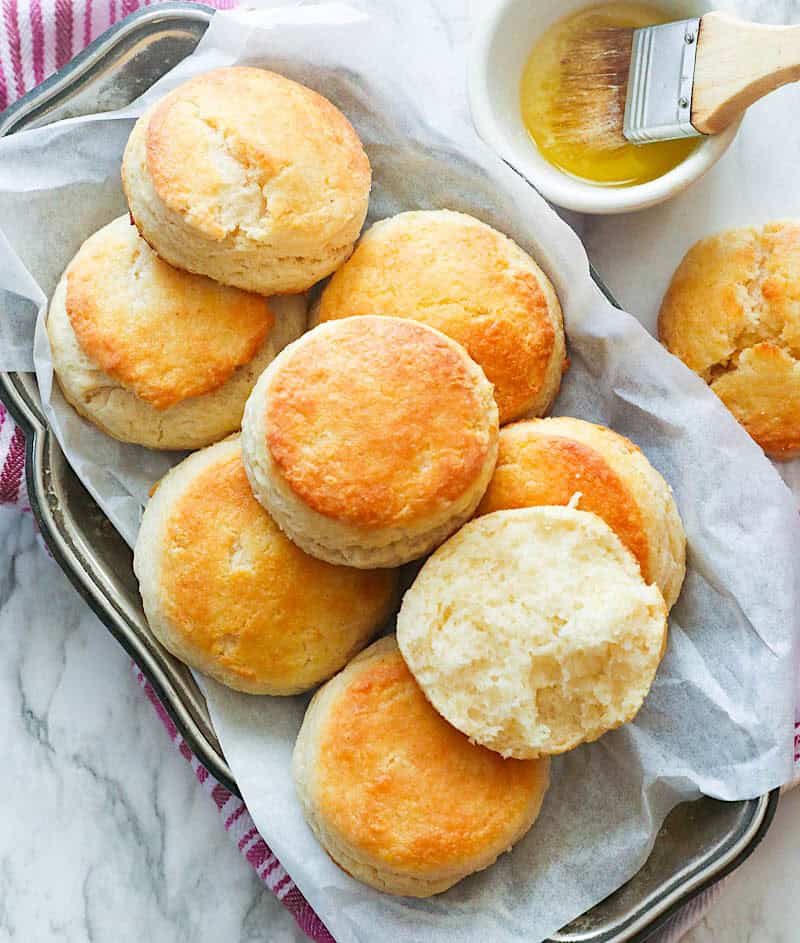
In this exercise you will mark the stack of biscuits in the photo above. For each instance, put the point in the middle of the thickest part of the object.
(389, 416)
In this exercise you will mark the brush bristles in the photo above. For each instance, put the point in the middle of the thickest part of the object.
(592, 89)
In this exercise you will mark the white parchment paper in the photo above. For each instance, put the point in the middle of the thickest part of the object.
(719, 718)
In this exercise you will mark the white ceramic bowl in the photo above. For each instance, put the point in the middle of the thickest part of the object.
(504, 36)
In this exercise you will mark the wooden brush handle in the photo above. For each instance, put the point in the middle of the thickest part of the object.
(738, 63)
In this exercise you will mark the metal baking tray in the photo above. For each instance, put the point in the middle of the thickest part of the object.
(699, 843)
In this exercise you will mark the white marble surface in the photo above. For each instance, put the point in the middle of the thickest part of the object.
(104, 835)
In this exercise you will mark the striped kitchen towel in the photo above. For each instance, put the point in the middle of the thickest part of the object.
(37, 37)
(12, 463)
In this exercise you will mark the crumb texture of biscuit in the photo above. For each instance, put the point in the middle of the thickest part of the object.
(230, 595)
(532, 630)
(248, 177)
(732, 314)
(163, 334)
(560, 460)
(457, 274)
(398, 797)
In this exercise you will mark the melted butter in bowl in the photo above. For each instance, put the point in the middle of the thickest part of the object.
(625, 166)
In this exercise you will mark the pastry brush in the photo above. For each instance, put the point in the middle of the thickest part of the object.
(681, 79)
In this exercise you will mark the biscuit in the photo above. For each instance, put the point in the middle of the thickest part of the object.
(156, 356)
(370, 440)
(397, 797)
(455, 273)
(558, 460)
(532, 630)
(247, 177)
(731, 314)
(226, 592)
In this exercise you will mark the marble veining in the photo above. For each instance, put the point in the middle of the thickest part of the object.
(104, 834)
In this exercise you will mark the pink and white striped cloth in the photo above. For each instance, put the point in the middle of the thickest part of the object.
(37, 37)
(12, 463)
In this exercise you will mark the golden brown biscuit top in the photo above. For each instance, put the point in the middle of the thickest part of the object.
(246, 151)
(401, 785)
(732, 314)
(732, 291)
(464, 278)
(240, 591)
(535, 467)
(378, 421)
(164, 334)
